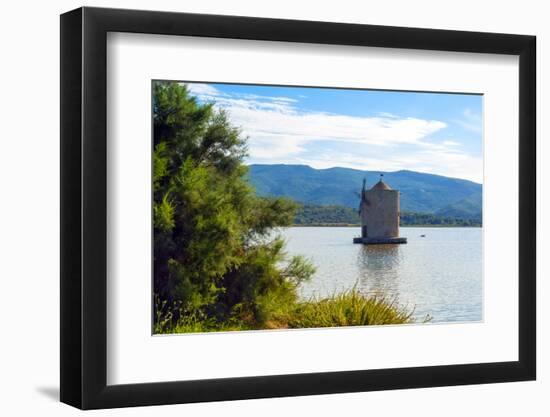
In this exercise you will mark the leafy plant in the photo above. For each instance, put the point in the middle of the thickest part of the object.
(216, 256)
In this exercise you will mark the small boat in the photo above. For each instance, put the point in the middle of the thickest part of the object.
(422, 235)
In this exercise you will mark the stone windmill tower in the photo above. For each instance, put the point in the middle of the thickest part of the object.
(379, 213)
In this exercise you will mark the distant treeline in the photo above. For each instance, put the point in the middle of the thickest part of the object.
(308, 214)
(332, 215)
(427, 219)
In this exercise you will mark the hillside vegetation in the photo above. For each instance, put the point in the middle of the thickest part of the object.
(420, 192)
(314, 215)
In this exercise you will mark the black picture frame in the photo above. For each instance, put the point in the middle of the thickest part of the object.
(84, 207)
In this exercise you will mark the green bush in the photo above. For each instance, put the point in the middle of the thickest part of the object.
(349, 308)
(216, 258)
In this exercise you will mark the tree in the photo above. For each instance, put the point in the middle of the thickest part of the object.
(215, 251)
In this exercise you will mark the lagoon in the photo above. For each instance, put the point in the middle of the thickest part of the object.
(440, 274)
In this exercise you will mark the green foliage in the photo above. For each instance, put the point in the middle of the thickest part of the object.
(310, 214)
(427, 219)
(163, 213)
(349, 309)
(216, 259)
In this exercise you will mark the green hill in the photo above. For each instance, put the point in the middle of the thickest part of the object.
(467, 208)
(420, 192)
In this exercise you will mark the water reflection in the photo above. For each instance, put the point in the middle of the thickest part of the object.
(440, 273)
(378, 268)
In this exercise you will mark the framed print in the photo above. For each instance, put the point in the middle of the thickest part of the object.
(257, 207)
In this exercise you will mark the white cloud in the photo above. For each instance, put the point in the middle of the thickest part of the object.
(276, 118)
(202, 90)
(471, 121)
(388, 115)
(258, 97)
(450, 143)
(446, 163)
(279, 132)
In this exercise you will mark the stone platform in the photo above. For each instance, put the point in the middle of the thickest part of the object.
(379, 240)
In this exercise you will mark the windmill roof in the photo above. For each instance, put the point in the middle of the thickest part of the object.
(381, 185)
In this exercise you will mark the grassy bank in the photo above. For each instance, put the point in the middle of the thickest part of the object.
(350, 308)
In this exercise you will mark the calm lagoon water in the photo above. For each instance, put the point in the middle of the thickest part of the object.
(439, 274)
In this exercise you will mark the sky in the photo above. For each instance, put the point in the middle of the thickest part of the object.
(361, 129)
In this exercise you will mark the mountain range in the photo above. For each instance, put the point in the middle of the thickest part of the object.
(420, 192)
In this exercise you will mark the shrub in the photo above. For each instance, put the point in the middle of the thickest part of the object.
(216, 257)
(350, 308)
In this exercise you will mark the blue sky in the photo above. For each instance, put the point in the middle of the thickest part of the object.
(362, 129)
